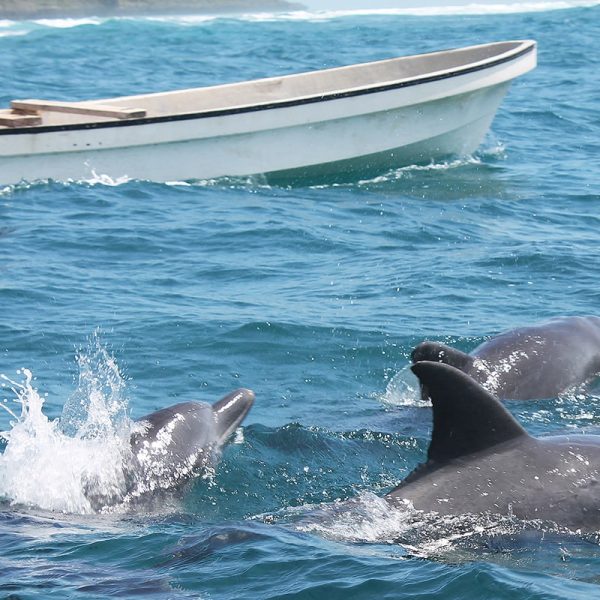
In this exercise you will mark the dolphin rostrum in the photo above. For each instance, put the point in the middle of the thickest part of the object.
(539, 361)
(481, 460)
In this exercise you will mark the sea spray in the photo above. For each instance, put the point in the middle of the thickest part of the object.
(80, 462)
(99, 403)
(403, 390)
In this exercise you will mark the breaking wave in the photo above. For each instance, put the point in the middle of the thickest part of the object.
(13, 27)
(475, 8)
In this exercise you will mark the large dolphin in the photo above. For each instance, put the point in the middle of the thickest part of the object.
(539, 361)
(181, 441)
(480, 460)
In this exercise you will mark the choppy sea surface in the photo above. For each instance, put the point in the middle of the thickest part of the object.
(121, 297)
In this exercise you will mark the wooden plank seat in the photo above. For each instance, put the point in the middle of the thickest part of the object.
(10, 119)
(97, 110)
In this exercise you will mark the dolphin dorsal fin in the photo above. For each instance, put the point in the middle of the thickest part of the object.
(437, 352)
(466, 417)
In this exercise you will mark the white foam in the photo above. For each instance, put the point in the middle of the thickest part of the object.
(418, 10)
(13, 33)
(183, 19)
(400, 8)
(76, 464)
(434, 10)
(370, 518)
(104, 179)
(93, 180)
(365, 518)
(69, 22)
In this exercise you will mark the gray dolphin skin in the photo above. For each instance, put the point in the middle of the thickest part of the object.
(539, 361)
(181, 441)
(481, 460)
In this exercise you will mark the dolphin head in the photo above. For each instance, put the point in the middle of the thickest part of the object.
(437, 352)
(176, 443)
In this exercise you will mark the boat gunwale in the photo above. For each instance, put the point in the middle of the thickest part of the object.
(524, 47)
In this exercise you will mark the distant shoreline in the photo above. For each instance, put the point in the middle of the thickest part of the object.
(61, 9)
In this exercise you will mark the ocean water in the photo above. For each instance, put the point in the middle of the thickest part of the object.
(121, 297)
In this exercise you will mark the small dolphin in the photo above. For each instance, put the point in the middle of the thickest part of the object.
(540, 361)
(480, 459)
(184, 440)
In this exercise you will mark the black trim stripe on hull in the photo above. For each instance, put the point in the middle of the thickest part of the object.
(270, 106)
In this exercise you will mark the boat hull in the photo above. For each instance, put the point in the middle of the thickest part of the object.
(341, 138)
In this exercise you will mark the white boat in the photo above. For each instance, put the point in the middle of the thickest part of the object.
(340, 122)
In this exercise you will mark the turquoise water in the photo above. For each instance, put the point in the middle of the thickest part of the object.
(135, 295)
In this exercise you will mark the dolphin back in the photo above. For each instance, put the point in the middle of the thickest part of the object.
(540, 361)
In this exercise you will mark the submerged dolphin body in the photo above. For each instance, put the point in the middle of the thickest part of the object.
(481, 460)
(181, 441)
(539, 361)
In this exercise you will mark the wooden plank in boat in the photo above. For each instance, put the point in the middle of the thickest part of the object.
(9, 119)
(97, 110)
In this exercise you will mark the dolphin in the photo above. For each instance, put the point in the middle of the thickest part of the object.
(177, 443)
(481, 460)
(539, 361)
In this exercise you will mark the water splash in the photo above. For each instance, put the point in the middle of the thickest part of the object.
(86, 461)
(76, 464)
(365, 518)
(99, 402)
(368, 518)
(247, 182)
(403, 390)
(104, 179)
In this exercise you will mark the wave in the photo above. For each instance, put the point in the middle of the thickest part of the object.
(67, 23)
(490, 151)
(93, 180)
(368, 518)
(15, 27)
(427, 11)
(11, 28)
(401, 531)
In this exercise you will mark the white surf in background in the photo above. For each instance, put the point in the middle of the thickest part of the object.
(441, 7)
(323, 9)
